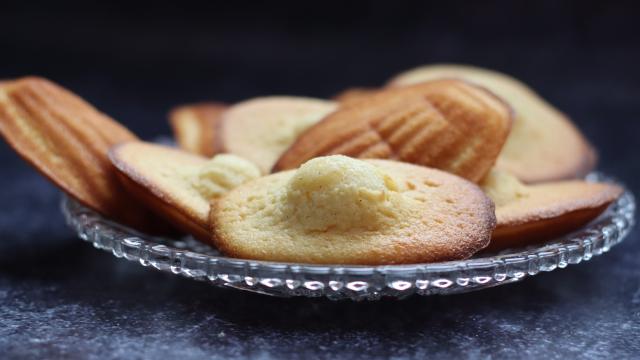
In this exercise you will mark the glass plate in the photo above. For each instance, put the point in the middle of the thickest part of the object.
(198, 261)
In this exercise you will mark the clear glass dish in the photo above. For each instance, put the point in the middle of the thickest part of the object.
(198, 261)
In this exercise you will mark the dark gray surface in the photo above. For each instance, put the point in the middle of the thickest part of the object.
(61, 298)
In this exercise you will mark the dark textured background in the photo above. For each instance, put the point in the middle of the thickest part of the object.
(59, 297)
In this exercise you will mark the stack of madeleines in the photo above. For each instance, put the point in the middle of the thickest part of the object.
(442, 162)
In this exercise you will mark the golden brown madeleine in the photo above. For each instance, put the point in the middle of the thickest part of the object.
(195, 125)
(543, 145)
(176, 184)
(446, 124)
(260, 129)
(354, 94)
(340, 210)
(532, 213)
(67, 140)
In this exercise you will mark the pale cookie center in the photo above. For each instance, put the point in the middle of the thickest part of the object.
(223, 173)
(291, 125)
(340, 193)
(503, 188)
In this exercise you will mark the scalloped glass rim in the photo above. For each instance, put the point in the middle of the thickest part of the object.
(199, 261)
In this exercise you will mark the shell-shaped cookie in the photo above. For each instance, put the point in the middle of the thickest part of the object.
(178, 185)
(67, 140)
(426, 215)
(528, 214)
(195, 126)
(446, 124)
(543, 145)
(260, 129)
